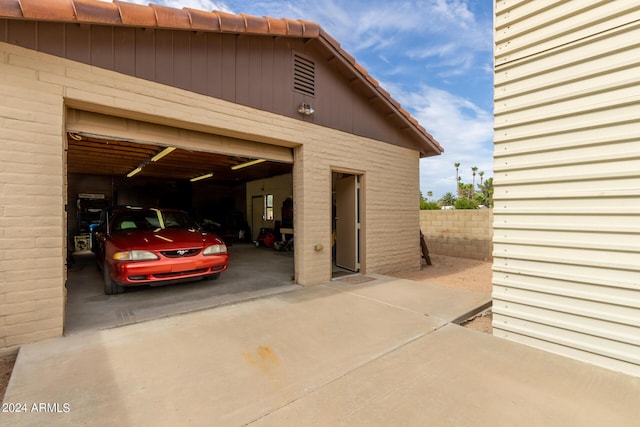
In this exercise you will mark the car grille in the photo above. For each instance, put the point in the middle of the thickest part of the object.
(180, 253)
(180, 273)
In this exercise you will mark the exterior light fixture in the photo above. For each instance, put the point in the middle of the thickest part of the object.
(251, 163)
(306, 109)
(201, 177)
(162, 154)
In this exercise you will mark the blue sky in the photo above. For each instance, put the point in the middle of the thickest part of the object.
(435, 57)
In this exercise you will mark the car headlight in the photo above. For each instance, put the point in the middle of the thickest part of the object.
(215, 249)
(135, 256)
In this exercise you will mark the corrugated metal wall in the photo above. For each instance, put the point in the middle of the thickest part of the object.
(567, 178)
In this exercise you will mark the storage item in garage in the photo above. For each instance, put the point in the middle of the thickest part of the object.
(82, 243)
(266, 238)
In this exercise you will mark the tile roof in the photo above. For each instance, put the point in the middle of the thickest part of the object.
(153, 15)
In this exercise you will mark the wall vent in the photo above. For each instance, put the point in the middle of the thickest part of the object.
(304, 75)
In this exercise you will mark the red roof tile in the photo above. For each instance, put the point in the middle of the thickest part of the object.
(167, 17)
(52, 10)
(253, 24)
(276, 26)
(10, 9)
(123, 13)
(135, 14)
(97, 12)
(204, 21)
(231, 23)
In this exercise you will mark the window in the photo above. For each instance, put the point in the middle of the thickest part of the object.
(268, 207)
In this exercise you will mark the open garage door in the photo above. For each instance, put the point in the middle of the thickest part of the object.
(116, 161)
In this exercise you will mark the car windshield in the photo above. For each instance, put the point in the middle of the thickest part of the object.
(151, 219)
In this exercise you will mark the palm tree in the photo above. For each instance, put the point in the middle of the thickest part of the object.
(481, 173)
(457, 165)
(487, 190)
(473, 183)
(468, 189)
(447, 200)
(429, 195)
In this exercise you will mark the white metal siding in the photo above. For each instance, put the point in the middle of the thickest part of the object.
(567, 178)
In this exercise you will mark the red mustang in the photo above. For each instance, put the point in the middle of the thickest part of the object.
(136, 246)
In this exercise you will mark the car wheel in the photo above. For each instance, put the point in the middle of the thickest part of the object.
(110, 287)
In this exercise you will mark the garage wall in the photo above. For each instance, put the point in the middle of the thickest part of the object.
(280, 186)
(32, 187)
(567, 188)
(32, 228)
(388, 210)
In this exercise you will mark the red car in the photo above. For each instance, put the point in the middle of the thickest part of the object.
(136, 246)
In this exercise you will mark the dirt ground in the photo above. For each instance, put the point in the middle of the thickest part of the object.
(461, 273)
(6, 366)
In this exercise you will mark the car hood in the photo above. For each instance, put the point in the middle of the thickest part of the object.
(163, 239)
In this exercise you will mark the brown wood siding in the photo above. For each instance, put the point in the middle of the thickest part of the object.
(256, 71)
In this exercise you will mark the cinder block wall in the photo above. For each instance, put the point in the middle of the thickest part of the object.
(32, 226)
(462, 233)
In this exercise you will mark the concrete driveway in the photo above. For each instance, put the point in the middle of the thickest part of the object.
(374, 351)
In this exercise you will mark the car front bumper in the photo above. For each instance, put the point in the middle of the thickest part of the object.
(163, 271)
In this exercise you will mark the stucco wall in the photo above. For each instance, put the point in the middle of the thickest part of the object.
(464, 233)
(33, 187)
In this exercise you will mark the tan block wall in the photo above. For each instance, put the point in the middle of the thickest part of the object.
(33, 179)
(31, 207)
(465, 233)
(389, 200)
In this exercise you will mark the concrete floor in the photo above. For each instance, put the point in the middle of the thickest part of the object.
(253, 272)
(359, 351)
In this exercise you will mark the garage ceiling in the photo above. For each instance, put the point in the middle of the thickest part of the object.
(97, 156)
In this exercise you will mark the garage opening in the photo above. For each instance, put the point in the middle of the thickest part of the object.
(123, 165)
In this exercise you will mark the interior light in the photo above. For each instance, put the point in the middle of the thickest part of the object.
(162, 154)
(133, 172)
(251, 163)
(201, 177)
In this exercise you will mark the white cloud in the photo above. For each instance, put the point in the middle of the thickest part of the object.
(461, 127)
(206, 5)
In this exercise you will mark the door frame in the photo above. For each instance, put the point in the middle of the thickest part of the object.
(256, 233)
(336, 173)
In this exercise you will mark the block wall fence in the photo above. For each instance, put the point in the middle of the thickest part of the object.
(462, 233)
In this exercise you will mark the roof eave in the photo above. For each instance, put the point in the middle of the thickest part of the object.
(429, 146)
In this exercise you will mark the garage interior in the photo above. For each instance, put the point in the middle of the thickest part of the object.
(218, 190)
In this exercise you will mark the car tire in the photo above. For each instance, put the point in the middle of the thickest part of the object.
(110, 287)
